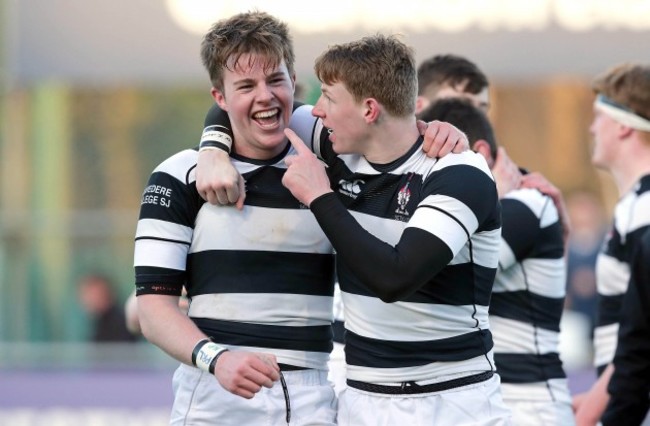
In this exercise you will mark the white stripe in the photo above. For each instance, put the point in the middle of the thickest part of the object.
(441, 225)
(154, 228)
(258, 228)
(162, 254)
(506, 255)
(556, 390)
(388, 230)
(465, 158)
(626, 118)
(292, 310)
(612, 275)
(438, 371)
(178, 164)
(485, 250)
(512, 336)
(539, 204)
(370, 317)
(632, 213)
(605, 340)
(302, 122)
(544, 277)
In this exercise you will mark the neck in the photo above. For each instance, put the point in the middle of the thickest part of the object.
(390, 139)
(632, 168)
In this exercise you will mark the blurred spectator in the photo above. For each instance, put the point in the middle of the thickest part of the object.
(587, 217)
(97, 297)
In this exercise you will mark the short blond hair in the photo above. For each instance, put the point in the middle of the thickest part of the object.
(379, 66)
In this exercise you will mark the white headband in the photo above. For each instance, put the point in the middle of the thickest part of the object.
(621, 115)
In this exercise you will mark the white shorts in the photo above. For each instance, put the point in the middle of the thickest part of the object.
(530, 413)
(539, 403)
(199, 399)
(476, 404)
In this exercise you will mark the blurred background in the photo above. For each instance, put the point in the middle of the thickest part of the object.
(94, 94)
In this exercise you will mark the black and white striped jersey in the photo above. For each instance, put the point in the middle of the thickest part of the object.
(631, 219)
(260, 279)
(437, 324)
(528, 299)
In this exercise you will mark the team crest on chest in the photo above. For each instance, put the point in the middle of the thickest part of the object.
(403, 198)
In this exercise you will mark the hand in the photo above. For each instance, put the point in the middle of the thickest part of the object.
(244, 373)
(217, 180)
(506, 173)
(305, 176)
(586, 410)
(441, 138)
(538, 181)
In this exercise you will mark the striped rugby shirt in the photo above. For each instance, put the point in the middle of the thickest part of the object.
(437, 327)
(528, 299)
(631, 219)
(260, 279)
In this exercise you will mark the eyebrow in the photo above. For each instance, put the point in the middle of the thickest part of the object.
(251, 80)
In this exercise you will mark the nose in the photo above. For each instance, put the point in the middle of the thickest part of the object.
(317, 111)
(264, 93)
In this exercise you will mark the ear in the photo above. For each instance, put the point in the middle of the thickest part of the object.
(371, 110)
(220, 98)
(421, 103)
(624, 131)
(483, 148)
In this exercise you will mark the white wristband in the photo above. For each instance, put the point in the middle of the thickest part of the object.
(216, 135)
(207, 354)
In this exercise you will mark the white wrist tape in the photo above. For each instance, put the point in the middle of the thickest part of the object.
(206, 356)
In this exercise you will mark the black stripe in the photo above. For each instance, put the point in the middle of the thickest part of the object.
(168, 240)
(522, 231)
(223, 271)
(527, 307)
(609, 309)
(181, 207)
(264, 189)
(480, 197)
(308, 338)
(528, 368)
(338, 327)
(368, 352)
(463, 284)
(157, 280)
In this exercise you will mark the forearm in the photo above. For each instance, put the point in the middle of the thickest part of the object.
(164, 325)
(392, 273)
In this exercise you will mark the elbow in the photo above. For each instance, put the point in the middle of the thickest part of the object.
(399, 289)
(389, 298)
(392, 294)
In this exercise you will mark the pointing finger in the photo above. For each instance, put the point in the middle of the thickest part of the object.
(297, 143)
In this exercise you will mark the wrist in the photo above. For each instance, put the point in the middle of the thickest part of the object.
(319, 198)
(206, 354)
(216, 138)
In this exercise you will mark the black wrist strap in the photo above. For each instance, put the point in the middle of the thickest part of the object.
(197, 348)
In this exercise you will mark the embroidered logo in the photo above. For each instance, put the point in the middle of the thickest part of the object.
(403, 197)
(350, 188)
